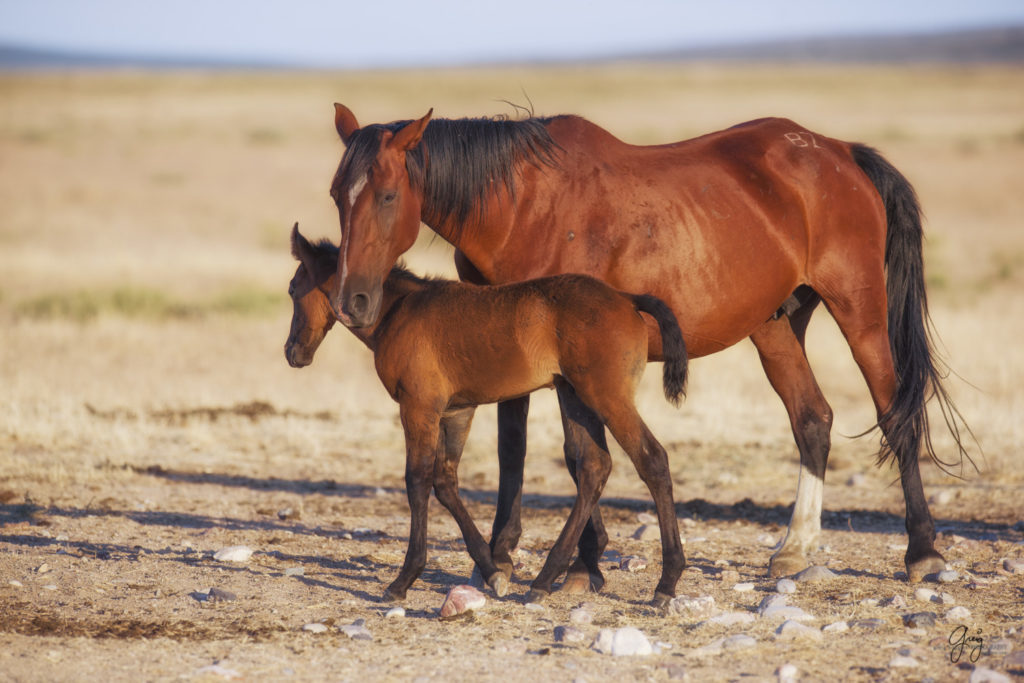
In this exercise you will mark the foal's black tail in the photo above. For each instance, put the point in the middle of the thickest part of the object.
(919, 373)
(672, 345)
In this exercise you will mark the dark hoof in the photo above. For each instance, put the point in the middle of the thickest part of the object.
(661, 600)
(392, 594)
(786, 565)
(536, 595)
(931, 563)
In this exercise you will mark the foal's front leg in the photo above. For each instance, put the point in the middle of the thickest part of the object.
(421, 427)
(454, 430)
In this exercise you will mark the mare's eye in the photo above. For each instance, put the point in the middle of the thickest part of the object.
(388, 198)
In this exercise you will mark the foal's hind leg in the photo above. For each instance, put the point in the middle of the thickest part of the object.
(452, 439)
(780, 345)
(651, 463)
(584, 431)
(592, 473)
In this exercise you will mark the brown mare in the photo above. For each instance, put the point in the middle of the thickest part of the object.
(742, 232)
(441, 348)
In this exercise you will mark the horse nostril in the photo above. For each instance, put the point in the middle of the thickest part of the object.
(359, 304)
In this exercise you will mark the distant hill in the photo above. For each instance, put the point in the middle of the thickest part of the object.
(994, 45)
(1002, 44)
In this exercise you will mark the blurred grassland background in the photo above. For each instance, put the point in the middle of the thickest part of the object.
(144, 258)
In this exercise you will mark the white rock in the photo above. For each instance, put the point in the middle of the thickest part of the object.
(535, 607)
(789, 612)
(217, 670)
(772, 600)
(926, 595)
(294, 571)
(897, 602)
(958, 614)
(708, 650)
(580, 615)
(786, 673)
(943, 497)
(740, 641)
(983, 675)
(462, 599)
(744, 587)
(568, 634)
(699, 607)
(815, 573)
(785, 586)
(732, 618)
(794, 630)
(1014, 565)
(315, 627)
(15, 583)
(233, 553)
(767, 540)
(356, 630)
(646, 518)
(622, 642)
(395, 613)
(902, 661)
(632, 563)
(836, 627)
(948, 576)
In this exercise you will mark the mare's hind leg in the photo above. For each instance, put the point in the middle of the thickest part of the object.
(861, 315)
(452, 439)
(511, 459)
(592, 473)
(584, 431)
(780, 344)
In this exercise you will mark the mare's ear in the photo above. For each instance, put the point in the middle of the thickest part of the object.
(409, 136)
(345, 122)
(302, 250)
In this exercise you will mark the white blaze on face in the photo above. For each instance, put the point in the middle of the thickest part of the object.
(357, 187)
(353, 194)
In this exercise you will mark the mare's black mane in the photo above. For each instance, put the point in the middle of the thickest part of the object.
(457, 162)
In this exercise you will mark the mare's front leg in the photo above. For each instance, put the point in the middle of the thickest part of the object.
(592, 471)
(454, 430)
(422, 426)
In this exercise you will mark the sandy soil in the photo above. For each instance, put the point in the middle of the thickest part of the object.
(148, 418)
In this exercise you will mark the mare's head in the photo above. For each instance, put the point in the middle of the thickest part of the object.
(312, 316)
(379, 205)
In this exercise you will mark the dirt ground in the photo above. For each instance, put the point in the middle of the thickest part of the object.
(148, 418)
(106, 580)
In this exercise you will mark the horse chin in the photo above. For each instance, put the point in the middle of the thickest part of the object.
(296, 357)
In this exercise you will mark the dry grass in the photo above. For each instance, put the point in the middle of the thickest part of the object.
(145, 221)
(146, 405)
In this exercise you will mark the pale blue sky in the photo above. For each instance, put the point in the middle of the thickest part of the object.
(402, 32)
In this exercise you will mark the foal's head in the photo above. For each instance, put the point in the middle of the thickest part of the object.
(312, 315)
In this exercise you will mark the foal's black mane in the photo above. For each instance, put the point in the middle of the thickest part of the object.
(457, 161)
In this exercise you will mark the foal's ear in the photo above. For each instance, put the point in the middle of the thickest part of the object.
(345, 122)
(409, 136)
(302, 250)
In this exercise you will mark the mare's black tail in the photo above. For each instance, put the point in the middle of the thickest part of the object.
(905, 424)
